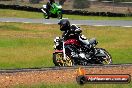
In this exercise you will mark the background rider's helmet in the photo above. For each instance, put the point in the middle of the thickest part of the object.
(64, 25)
(52, 0)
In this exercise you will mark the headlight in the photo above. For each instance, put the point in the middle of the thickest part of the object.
(44, 6)
(60, 7)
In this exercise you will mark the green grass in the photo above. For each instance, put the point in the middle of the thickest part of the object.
(79, 17)
(19, 14)
(31, 45)
(76, 86)
(25, 14)
(18, 53)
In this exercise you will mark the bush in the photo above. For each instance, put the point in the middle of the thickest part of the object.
(81, 4)
(119, 0)
(34, 1)
(61, 2)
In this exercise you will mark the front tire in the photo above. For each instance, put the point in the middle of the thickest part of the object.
(46, 16)
(59, 61)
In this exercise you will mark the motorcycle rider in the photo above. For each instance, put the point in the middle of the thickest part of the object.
(68, 31)
(48, 5)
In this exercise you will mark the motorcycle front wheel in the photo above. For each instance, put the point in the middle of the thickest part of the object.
(58, 60)
(46, 16)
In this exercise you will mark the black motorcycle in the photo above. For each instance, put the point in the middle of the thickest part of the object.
(87, 56)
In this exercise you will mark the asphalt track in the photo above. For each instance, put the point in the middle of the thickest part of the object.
(62, 68)
(77, 22)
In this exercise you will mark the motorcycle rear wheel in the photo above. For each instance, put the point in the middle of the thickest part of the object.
(107, 59)
(58, 60)
(59, 15)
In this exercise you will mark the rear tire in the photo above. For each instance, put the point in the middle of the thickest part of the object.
(59, 15)
(108, 58)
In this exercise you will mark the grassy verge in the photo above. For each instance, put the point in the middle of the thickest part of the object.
(25, 14)
(77, 86)
(31, 45)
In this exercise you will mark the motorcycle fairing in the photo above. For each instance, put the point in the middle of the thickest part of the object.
(54, 8)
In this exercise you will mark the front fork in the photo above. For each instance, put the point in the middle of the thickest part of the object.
(43, 11)
(64, 51)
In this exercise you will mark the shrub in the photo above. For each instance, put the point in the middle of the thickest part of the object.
(80, 4)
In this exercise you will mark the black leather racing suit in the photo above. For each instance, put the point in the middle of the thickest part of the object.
(75, 33)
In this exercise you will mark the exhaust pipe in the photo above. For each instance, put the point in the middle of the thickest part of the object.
(64, 53)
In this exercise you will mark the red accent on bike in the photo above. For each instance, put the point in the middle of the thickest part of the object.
(72, 41)
(58, 51)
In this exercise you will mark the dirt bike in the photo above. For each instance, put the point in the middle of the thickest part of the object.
(88, 56)
(55, 11)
